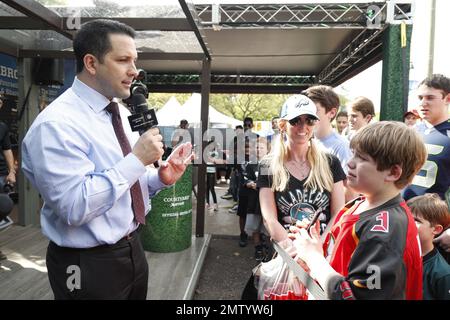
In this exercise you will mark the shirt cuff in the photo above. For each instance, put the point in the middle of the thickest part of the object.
(131, 168)
(154, 183)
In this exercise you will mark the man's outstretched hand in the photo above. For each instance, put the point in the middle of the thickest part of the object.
(173, 168)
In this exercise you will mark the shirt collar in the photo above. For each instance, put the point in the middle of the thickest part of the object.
(429, 255)
(90, 96)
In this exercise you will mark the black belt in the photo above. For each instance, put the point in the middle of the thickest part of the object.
(128, 238)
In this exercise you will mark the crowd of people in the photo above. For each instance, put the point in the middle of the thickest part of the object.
(356, 176)
(375, 186)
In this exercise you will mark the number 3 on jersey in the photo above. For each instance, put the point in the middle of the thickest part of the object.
(430, 168)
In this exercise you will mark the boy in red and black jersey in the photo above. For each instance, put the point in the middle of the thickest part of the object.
(372, 249)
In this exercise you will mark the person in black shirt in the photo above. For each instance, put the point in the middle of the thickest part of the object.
(298, 179)
(233, 190)
(7, 170)
(247, 191)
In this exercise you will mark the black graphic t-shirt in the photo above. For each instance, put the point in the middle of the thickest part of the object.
(300, 202)
(5, 144)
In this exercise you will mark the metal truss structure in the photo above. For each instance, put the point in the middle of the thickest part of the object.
(366, 47)
(228, 83)
(364, 50)
(342, 15)
(367, 20)
(230, 79)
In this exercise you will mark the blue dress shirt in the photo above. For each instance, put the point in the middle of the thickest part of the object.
(72, 156)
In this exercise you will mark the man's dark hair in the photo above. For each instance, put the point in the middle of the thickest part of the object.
(93, 38)
(248, 122)
(325, 95)
(437, 81)
(342, 114)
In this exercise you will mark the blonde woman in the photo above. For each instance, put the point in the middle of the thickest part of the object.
(298, 178)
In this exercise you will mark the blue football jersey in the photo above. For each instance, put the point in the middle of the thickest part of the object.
(434, 177)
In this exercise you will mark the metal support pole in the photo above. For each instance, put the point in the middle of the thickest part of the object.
(29, 199)
(394, 79)
(432, 32)
(201, 189)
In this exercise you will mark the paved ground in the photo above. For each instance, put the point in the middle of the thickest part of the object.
(227, 266)
(226, 269)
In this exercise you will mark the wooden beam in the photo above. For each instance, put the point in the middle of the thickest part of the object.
(201, 187)
(191, 15)
(138, 24)
(170, 56)
(8, 49)
(228, 88)
(34, 9)
(24, 53)
(146, 24)
(22, 23)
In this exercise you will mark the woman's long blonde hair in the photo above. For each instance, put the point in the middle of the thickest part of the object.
(320, 176)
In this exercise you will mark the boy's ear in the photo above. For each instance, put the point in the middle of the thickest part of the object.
(447, 98)
(332, 113)
(395, 173)
(437, 229)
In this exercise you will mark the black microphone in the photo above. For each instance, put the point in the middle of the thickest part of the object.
(142, 118)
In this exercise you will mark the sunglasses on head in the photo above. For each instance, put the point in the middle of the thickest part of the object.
(309, 121)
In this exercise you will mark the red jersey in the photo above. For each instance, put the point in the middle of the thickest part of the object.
(377, 252)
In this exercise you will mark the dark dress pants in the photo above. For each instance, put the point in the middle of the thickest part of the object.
(118, 271)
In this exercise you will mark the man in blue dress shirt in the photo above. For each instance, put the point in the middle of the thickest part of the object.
(72, 156)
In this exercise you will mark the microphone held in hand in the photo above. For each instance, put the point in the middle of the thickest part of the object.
(142, 118)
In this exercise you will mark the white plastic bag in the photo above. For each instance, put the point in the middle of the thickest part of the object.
(275, 281)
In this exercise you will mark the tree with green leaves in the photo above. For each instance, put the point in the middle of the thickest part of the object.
(158, 100)
(258, 106)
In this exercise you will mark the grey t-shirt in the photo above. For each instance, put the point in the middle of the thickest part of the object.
(338, 146)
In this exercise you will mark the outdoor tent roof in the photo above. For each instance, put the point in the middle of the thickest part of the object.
(167, 114)
(173, 112)
(255, 47)
(291, 52)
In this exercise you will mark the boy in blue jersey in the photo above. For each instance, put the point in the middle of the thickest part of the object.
(434, 177)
